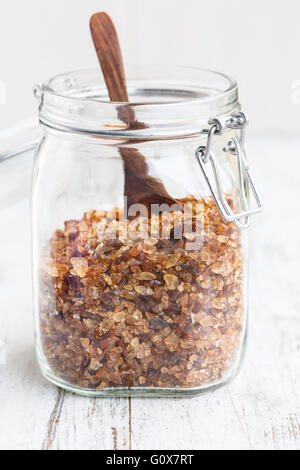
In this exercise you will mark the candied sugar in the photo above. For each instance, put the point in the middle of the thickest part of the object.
(222, 239)
(135, 342)
(219, 303)
(121, 312)
(80, 266)
(135, 250)
(52, 270)
(143, 290)
(84, 342)
(137, 315)
(144, 276)
(207, 283)
(187, 343)
(171, 281)
(172, 342)
(223, 268)
(94, 364)
(173, 260)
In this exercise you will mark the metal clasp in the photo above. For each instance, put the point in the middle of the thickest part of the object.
(235, 146)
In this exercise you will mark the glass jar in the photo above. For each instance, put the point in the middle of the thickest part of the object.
(133, 298)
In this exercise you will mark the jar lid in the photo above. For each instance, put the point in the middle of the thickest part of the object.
(170, 101)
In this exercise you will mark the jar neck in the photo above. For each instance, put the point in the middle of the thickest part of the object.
(170, 102)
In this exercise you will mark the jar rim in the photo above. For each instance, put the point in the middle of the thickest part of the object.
(171, 100)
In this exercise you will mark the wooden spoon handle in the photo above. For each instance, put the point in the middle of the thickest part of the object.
(110, 57)
(139, 186)
(109, 54)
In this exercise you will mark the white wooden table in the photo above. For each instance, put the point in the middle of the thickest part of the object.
(259, 410)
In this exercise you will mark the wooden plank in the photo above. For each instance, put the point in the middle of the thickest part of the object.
(89, 424)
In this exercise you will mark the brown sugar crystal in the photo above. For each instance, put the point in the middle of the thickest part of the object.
(124, 312)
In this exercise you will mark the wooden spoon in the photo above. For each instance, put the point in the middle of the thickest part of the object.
(140, 188)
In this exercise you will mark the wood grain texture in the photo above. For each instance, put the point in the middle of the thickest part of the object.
(260, 409)
(110, 57)
(88, 424)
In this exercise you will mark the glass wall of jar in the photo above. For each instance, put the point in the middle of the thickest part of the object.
(135, 300)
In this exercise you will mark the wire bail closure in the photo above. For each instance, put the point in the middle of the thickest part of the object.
(204, 155)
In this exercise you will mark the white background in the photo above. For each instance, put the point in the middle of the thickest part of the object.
(257, 42)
